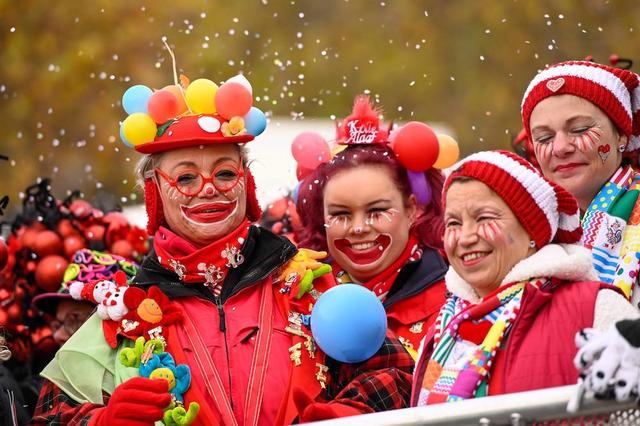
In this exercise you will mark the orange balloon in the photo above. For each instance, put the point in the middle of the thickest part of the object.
(182, 104)
(449, 152)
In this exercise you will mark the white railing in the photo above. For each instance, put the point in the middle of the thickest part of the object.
(545, 407)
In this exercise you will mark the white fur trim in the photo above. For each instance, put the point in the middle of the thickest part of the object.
(569, 262)
(610, 308)
(608, 80)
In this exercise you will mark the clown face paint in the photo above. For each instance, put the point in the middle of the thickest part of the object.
(576, 145)
(210, 214)
(483, 238)
(366, 229)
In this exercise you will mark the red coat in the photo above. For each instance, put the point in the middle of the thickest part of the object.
(539, 349)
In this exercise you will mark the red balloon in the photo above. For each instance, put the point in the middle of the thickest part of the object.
(233, 99)
(50, 272)
(416, 146)
(72, 244)
(163, 106)
(122, 248)
(310, 150)
(4, 254)
(302, 172)
(95, 233)
(47, 242)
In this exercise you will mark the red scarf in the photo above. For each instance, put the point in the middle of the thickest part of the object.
(208, 264)
(381, 283)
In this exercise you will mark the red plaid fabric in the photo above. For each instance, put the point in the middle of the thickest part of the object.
(56, 408)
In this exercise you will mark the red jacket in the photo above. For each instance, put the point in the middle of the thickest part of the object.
(381, 383)
(415, 299)
(539, 349)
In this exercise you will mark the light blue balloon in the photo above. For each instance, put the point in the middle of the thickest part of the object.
(135, 99)
(255, 121)
(123, 139)
(349, 323)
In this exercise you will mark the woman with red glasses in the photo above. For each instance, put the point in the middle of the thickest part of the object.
(214, 298)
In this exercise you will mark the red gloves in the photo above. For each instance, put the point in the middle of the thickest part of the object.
(137, 402)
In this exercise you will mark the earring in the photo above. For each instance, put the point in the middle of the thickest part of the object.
(621, 148)
(532, 244)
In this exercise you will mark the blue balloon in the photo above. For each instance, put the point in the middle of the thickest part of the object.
(349, 323)
(255, 121)
(135, 99)
(123, 139)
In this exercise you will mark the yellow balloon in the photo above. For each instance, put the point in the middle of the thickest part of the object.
(449, 152)
(139, 128)
(201, 95)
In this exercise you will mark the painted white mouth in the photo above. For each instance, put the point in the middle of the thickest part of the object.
(473, 256)
(363, 246)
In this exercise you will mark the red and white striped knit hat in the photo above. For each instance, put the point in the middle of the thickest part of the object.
(545, 210)
(615, 91)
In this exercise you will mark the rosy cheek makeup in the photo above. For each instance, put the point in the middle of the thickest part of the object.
(491, 230)
(588, 140)
(542, 150)
(451, 237)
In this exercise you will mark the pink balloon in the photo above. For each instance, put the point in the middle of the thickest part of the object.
(162, 106)
(416, 146)
(310, 150)
(233, 99)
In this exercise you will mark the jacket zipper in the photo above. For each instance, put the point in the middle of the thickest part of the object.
(223, 328)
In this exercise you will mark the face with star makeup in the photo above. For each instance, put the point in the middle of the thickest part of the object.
(576, 145)
(367, 229)
(203, 191)
(483, 238)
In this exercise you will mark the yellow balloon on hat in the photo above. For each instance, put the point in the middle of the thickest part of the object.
(201, 95)
(449, 152)
(139, 128)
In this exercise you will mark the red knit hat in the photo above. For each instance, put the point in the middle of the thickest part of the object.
(615, 91)
(546, 211)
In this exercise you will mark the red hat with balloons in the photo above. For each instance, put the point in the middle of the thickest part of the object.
(415, 144)
(191, 114)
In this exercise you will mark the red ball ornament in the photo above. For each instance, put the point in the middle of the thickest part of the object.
(28, 238)
(416, 146)
(4, 317)
(50, 272)
(14, 312)
(162, 106)
(233, 99)
(4, 254)
(47, 242)
(72, 244)
(95, 233)
(80, 209)
(65, 228)
(122, 248)
(4, 294)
